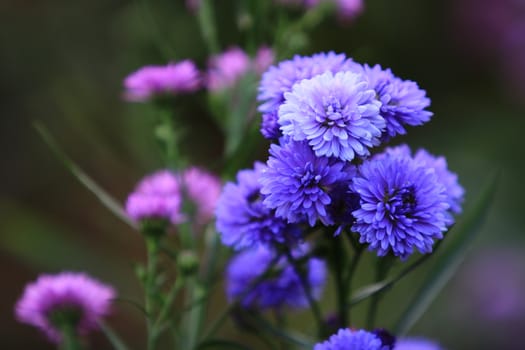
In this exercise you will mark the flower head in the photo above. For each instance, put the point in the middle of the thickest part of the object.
(403, 205)
(172, 79)
(349, 9)
(203, 189)
(270, 126)
(263, 59)
(299, 185)
(157, 196)
(337, 114)
(227, 68)
(416, 344)
(283, 288)
(53, 301)
(346, 339)
(242, 219)
(402, 101)
(278, 80)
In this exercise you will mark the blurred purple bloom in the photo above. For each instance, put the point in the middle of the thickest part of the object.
(67, 297)
(416, 344)
(227, 68)
(242, 219)
(346, 339)
(151, 81)
(278, 80)
(403, 205)
(402, 101)
(270, 126)
(282, 289)
(203, 189)
(298, 184)
(263, 59)
(347, 10)
(337, 114)
(157, 196)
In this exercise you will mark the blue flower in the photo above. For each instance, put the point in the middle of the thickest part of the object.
(402, 101)
(403, 205)
(280, 79)
(282, 288)
(270, 126)
(243, 220)
(346, 339)
(416, 344)
(337, 114)
(298, 184)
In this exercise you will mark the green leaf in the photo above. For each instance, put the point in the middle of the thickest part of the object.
(113, 338)
(449, 261)
(109, 202)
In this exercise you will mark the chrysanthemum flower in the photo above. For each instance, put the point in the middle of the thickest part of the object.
(403, 205)
(416, 344)
(282, 288)
(298, 184)
(157, 196)
(227, 68)
(152, 81)
(203, 189)
(346, 339)
(242, 219)
(66, 299)
(402, 101)
(278, 80)
(337, 114)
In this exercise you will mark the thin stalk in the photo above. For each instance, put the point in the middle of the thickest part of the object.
(168, 303)
(69, 337)
(207, 25)
(152, 245)
(348, 278)
(382, 268)
(340, 285)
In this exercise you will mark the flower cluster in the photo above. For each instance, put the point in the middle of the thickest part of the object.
(66, 299)
(346, 339)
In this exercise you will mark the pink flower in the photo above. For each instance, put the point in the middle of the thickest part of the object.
(203, 189)
(227, 68)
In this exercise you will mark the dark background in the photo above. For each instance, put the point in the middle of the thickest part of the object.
(62, 63)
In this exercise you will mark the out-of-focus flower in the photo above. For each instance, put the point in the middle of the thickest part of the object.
(152, 81)
(347, 10)
(203, 189)
(66, 299)
(416, 344)
(298, 184)
(227, 68)
(242, 219)
(346, 339)
(337, 115)
(403, 205)
(157, 197)
(263, 59)
(283, 286)
(278, 80)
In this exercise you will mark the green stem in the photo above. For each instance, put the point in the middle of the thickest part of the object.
(152, 245)
(207, 25)
(340, 285)
(382, 267)
(358, 252)
(168, 303)
(69, 337)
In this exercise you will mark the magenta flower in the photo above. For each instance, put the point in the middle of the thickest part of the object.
(203, 189)
(263, 59)
(157, 196)
(151, 81)
(227, 68)
(65, 299)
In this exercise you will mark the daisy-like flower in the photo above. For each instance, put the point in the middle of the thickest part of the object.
(242, 218)
(403, 205)
(402, 101)
(346, 339)
(298, 184)
(282, 289)
(278, 80)
(337, 114)
(151, 81)
(67, 299)
(156, 197)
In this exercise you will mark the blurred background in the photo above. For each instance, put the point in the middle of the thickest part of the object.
(63, 62)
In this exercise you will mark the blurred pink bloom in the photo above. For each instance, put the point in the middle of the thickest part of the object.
(263, 59)
(227, 68)
(151, 81)
(204, 190)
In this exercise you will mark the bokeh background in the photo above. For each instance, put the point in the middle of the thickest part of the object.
(62, 63)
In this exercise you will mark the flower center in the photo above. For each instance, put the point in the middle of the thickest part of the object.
(333, 112)
(402, 202)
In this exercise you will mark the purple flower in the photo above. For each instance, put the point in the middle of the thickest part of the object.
(299, 185)
(227, 68)
(347, 10)
(203, 189)
(157, 196)
(402, 205)
(270, 126)
(402, 101)
(65, 299)
(263, 59)
(346, 339)
(278, 80)
(416, 344)
(242, 219)
(337, 114)
(282, 288)
(152, 81)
